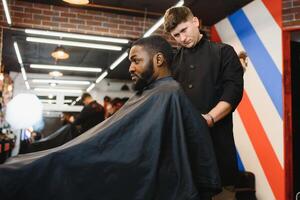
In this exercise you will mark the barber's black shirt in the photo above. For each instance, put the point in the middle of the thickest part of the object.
(208, 73)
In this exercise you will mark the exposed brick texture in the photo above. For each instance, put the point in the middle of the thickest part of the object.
(40, 16)
(291, 13)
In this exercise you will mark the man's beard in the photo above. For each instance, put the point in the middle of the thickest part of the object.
(144, 79)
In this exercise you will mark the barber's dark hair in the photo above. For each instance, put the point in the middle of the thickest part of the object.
(85, 95)
(155, 44)
(176, 15)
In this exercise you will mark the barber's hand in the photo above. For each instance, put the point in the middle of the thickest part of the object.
(209, 120)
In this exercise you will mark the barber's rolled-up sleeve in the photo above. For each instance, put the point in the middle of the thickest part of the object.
(232, 77)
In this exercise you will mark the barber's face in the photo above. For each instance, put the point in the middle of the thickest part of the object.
(85, 101)
(187, 33)
(141, 67)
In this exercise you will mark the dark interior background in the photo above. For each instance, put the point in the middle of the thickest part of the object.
(295, 74)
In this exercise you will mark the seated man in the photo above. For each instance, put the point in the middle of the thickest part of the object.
(154, 147)
(91, 114)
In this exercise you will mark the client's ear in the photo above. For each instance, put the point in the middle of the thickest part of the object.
(158, 59)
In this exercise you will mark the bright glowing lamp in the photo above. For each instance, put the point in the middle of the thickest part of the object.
(24, 111)
(77, 2)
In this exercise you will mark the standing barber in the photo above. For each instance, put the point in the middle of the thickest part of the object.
(212, 77)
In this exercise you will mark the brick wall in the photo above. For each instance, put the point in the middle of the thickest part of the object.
(291, 13)
(41, 16)
(76, 20)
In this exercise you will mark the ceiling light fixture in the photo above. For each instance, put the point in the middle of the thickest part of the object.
(17, 50)
(118, 61)
(67, 82)
(53, 84)
(76, 36)
(125, 87)
(54, 101)
(74, 44)
(8, 18)
(27, 85)
(77, 2)
(78, 98)
(90, 87)
(102, 76)
(23, 73)
(55, 74)
(57, 90)
(74, 102)
(68, 101)
(49, 101)
(66, 68)
(154, 27)
(60, 53)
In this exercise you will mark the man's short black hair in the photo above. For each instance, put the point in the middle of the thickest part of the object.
(85, 95)
(156, 44)
(107, 99)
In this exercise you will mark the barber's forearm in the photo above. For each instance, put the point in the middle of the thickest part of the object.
(217, 113)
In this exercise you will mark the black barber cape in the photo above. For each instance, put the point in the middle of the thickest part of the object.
(154, 147)
(59, 137)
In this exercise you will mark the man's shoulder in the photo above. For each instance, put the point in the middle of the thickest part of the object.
(168, 86)
(220, 45)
